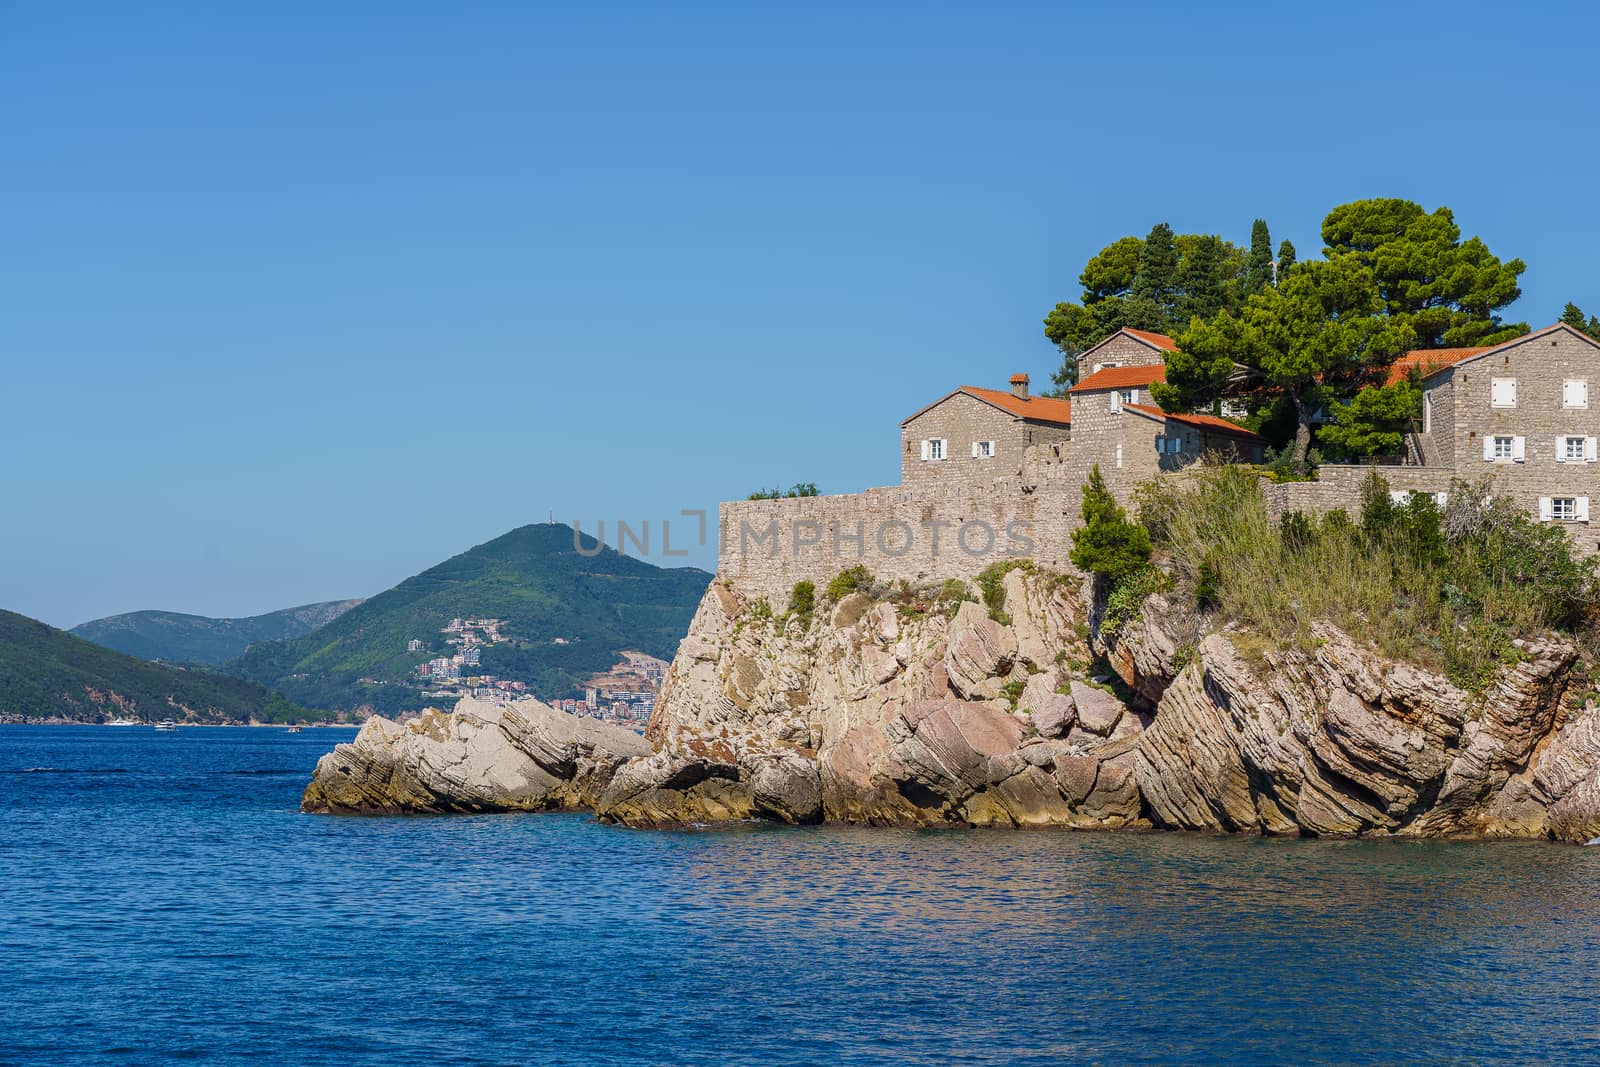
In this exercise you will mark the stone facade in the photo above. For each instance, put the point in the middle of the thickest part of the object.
(980, 440)
(1539, 411)
(1125, 348)
(952, 517)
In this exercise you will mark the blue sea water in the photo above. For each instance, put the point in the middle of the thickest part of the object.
(162, 899)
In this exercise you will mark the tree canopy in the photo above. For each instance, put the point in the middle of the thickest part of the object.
(1320, 331)
(1448, 290)
(1157, 282)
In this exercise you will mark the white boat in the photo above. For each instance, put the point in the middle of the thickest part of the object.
(166, 724)
(124, 722)
(294, 729)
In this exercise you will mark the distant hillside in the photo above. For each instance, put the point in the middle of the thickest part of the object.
(563, 615)
(175, 638)
(48, 673)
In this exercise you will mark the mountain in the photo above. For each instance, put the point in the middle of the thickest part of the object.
(176, 638)
(563, 615)
(48, 673)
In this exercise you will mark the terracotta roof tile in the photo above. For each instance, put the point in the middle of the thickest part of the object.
(1122, 377)
(1203, 422)
(1036, 408)
(1429, 360)
(1160, 340)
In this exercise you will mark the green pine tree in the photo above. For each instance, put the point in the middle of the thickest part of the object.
(1285, 261)
(1258, 273)
(1107, 544)
(1152, 300)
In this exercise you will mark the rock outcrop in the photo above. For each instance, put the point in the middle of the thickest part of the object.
(900, 711)
(523, 756)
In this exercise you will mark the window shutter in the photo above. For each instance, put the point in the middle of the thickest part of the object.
(1589, 449)
(1575, 393)
(1488, 448)
(1546, 512)
(1398, 496)
(1561, 449)
(1583, 509)
(927, 449)
(1119, 455)
(1116, 400)
(1519, 449)
(974, 450)
(1133, 396)
(1441, 499)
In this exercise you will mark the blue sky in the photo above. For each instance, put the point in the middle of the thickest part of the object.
(297, 303)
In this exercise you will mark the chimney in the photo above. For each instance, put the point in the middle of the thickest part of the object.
(1019, 386)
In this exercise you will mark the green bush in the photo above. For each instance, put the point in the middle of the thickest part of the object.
(1107, 544)
(803, 599)
(799, 489)
(1447, 590)
(848, 581)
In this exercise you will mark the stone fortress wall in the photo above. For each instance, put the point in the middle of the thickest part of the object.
(921, 533)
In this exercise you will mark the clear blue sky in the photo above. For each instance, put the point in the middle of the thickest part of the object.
(295, 303)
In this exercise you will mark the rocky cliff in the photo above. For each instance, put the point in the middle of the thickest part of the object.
(911, 710)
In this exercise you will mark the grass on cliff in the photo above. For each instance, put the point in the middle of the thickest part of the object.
(1446, 589)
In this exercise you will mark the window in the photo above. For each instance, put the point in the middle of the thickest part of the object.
(983, 449)
(1575, 393)
(1564, 508)
(1571, 450)
(933, 449)
(1502, 447)
(1169, 445)
(1128, 396)
(1503, 393)
(1427, 412)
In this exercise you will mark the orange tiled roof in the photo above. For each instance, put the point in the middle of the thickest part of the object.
(1160, 340)
(1037, 408)
(1428, 360)
(1203, 422)
(1122, 377)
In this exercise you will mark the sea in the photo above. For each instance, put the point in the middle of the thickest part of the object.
(162, 899)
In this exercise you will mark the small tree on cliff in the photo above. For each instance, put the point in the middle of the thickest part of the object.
(1107, 544)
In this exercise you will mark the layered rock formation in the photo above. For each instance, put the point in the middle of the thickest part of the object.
(902, 712)
(482, 757)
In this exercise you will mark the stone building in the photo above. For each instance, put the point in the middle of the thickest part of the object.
(1125, 348)
(974, 435)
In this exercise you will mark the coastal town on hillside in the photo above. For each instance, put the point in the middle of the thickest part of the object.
(625, 694)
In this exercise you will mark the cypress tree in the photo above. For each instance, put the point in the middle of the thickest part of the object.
(1155, 286)
(1258, 271)
(1572, 315)
(1285, 260)
(1203, 285)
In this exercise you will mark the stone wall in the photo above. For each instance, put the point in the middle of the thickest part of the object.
(917, 533)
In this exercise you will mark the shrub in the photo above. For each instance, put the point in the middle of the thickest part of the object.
(799, 489)
(848, 581)
(991, 582)
(1107, 544)
(803, 599)
(1448, 591)
(1127, 594)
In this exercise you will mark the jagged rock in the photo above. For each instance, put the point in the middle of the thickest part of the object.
(878, 714)
(482, 757)
(663, 790)
(1098, 711)
(980, 655)
(1341, 741)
